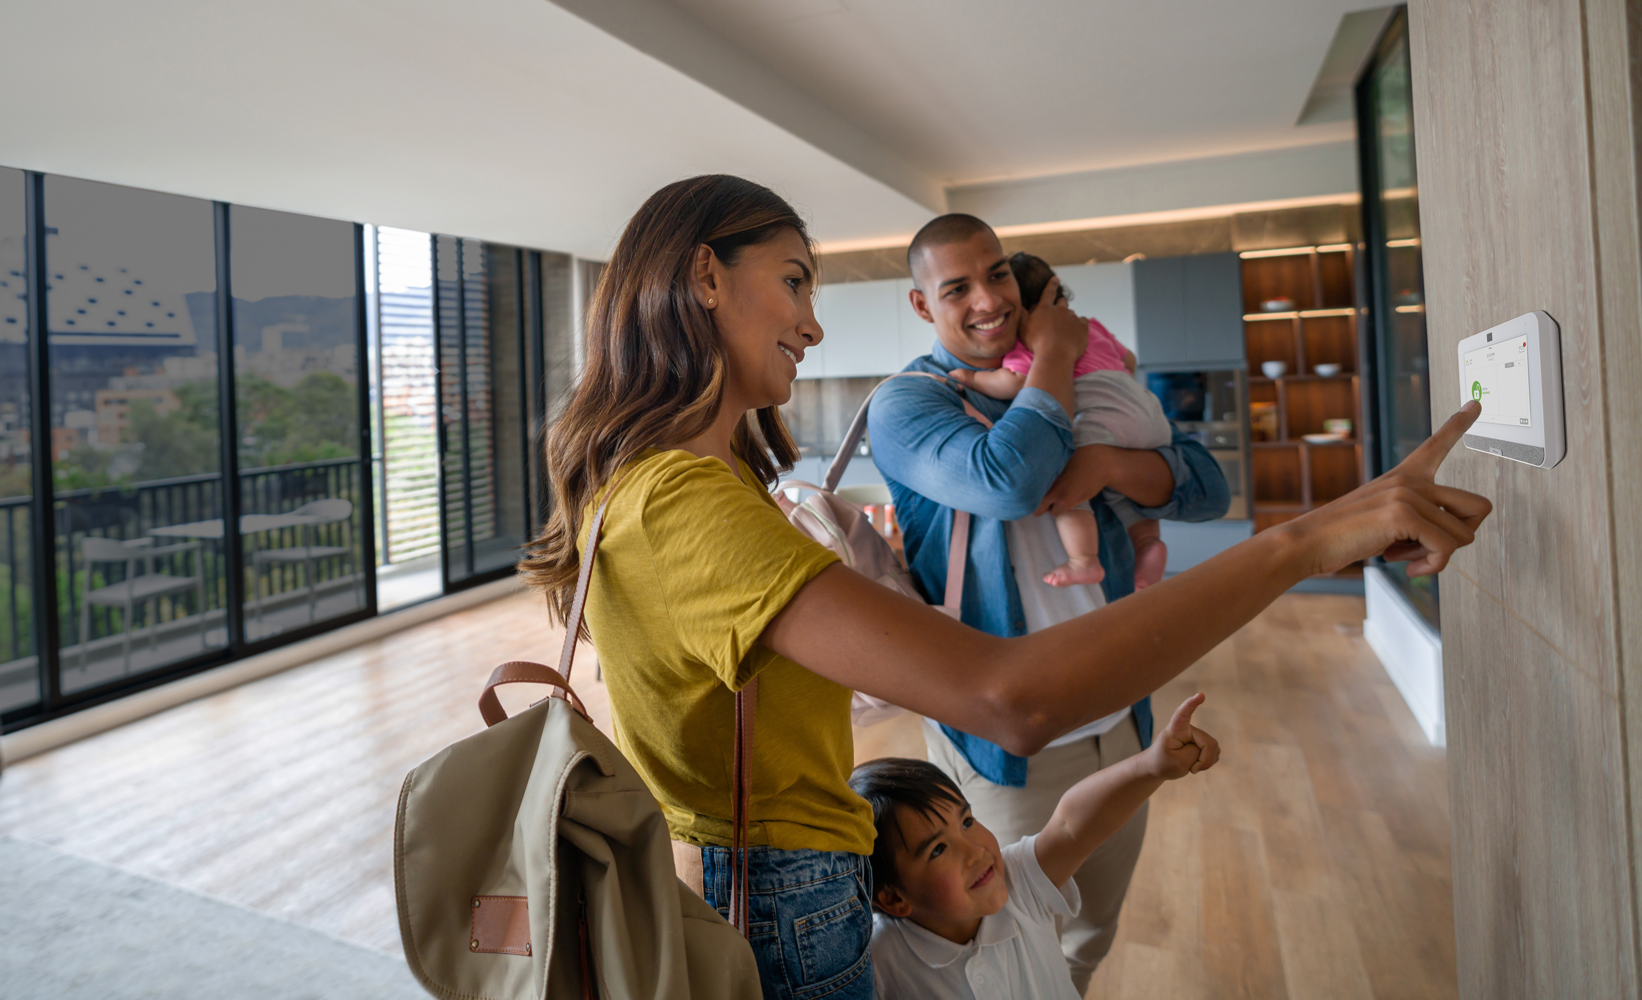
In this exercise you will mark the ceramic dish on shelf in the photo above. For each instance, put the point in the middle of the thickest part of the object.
(1322, 438)
(1277, 305)
(1274, 369)
(1326, 370)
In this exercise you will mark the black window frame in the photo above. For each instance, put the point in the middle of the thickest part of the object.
(53, 703)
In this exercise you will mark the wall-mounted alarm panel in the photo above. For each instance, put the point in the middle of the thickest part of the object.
(1515, 371)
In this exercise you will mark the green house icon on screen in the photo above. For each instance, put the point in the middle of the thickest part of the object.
(1476, 391)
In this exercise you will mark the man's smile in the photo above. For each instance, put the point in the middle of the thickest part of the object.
(991, 324)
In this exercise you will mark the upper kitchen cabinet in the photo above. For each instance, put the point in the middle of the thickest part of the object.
(917, 337)
(861, 323)
(1188, 311)
(1105, 292)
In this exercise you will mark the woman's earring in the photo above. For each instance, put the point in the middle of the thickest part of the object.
(711, 303)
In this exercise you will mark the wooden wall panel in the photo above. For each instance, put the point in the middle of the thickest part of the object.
(1506, 227)
(1525, 119)
(1539, 848)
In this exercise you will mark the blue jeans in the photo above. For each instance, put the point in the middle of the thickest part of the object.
(809, 919)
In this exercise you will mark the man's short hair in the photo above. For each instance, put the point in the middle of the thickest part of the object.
(890, 784)
(954, 227)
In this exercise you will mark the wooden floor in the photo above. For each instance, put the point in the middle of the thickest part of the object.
(1312, 862)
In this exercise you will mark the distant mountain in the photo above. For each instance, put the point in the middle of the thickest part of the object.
(330, 322)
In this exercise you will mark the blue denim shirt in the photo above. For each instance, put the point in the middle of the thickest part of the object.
(935, 459)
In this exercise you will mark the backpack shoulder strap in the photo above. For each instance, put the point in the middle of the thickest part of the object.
(858, 426)
(578, 603)
(958, 552)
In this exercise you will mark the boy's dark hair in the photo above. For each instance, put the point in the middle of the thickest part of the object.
(890, 784)
(1032, 274)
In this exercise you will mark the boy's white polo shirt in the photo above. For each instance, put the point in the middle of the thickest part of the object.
(1015, 955)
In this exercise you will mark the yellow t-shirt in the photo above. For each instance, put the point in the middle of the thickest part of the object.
(692, 565)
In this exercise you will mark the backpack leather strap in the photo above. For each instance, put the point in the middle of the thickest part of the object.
(746, 711)
(578, 603)
(525, 672)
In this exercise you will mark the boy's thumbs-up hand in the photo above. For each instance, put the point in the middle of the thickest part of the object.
(1182, 748)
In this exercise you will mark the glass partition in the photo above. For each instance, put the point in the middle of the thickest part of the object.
(479, 337)
(19, 668)
(408, 568)
(135, 429)
(1401, 396)
(202, 410)
(302, 479)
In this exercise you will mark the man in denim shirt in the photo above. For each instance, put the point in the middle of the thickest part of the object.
(937, 459)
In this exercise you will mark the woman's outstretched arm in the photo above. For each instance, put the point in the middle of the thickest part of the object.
(1022, 693)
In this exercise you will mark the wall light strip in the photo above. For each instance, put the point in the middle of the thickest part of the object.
(1411, 309)
(898, 240)
(1302, 314)
(1412, 241)
(1292, 251)
(1285, 252)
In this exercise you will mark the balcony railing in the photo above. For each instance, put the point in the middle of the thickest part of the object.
(287, 596)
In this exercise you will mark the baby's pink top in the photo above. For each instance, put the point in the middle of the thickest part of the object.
(1105, 354)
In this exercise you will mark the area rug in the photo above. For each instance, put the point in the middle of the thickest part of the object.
(72, 928)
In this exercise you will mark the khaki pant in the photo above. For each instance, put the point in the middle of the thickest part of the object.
(1013, 813)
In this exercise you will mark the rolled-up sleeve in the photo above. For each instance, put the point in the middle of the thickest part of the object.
(922, 438)
(1200, 490)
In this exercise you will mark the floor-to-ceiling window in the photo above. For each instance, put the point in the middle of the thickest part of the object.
(297, 366)
(408, 409)
(204, 407)
(480, 340)
(1400, 398)
(182, 471)
(135, 424)
(19, 671)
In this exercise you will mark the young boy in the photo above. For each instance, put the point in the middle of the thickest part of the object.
(1112, 409)
(959, 917)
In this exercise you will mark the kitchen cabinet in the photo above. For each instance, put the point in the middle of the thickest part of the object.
(862, 327)
(1188, 311)
(1105, 292)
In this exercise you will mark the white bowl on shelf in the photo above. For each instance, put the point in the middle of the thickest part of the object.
(1327, 370)
(1274, 369)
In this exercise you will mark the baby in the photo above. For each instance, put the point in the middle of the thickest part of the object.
(1112, 409)
(956, 916)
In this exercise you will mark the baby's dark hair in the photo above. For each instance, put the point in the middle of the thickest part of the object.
(890, 784)
(1032, 274)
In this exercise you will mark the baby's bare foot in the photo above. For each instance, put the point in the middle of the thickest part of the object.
(1075, 572)
(1151, 560)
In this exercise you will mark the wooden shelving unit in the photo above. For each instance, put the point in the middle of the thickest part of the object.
(1291, 475)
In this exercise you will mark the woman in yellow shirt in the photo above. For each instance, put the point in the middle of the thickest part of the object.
(693, 341)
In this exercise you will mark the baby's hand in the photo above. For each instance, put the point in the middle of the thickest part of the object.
(999, 383)
(1181, 748)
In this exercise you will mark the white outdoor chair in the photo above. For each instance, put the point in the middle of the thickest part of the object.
(319, 512)
(136, 590)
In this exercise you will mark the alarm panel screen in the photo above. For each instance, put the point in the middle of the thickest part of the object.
(1496, 375)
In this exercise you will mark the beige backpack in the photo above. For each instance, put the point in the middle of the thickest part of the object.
(531, 861)
(845, 529)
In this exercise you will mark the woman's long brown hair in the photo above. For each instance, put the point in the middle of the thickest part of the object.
(654, 369)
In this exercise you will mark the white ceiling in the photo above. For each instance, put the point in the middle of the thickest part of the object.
(519, 121)
(509, 120)
(975, 90)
